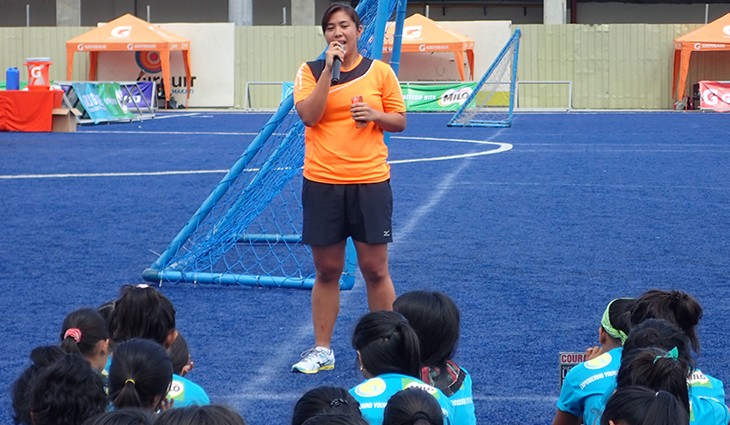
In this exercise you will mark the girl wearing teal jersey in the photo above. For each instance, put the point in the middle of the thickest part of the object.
(436, 319)
(387, 349)
(586, 383)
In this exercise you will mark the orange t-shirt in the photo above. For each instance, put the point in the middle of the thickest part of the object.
(336, 151)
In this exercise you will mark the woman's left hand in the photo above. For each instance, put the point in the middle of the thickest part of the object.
(362, 112)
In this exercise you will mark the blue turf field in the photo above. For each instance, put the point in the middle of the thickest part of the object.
(531, 243)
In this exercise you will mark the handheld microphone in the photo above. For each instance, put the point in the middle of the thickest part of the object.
(336, 63)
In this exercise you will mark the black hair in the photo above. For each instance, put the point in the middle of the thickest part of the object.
(322, 400)
(651, 368)
(340, 7)
(662, 334)
(179, 353)
(139, 375)
(638, 405)
(335, 419)
(106, 309)
(387, 344)
(435, 318)
(619, 314)
(200, 415)
(127, 416)
(413, 406)
(41, 357)
(141, 312)
(674, 306)
(91, 329)
(67, 392)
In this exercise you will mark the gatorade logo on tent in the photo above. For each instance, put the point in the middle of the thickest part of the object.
(412, 32)
(123, 31)
(726, 30)
(455, 96)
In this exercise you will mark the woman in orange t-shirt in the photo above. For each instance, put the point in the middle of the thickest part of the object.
(346, 190)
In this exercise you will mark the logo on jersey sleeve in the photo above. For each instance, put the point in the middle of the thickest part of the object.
(371, 388)
(599, 362)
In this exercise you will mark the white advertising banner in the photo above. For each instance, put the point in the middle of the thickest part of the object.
(211, 65)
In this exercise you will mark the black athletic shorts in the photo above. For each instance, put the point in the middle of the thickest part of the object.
(332, 212)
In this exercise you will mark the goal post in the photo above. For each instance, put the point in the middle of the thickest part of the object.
(248, 230)
(492, 101)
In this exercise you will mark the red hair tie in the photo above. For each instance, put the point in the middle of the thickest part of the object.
(74, 333)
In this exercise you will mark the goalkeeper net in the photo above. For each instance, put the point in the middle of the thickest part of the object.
(492, 102)
(248, 230)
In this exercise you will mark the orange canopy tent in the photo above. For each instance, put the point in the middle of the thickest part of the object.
(421, 34)
(714, 36)
(130, 34)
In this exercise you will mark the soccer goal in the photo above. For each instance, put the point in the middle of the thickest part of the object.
(492, 102)
(248, 230)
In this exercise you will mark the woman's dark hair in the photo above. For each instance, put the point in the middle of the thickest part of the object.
(637, 405)
(335, 419)
(435, 318)
(413, 406)
(340, 7)
(179, 353)
(322, 400)
(662, 334)
(128, 416)
(82, 330)
(676, 307)
(139, 375)
(41, 358)
(200, 415)
(619, 314)
(141, 312)
(655, 368)
(387, 344)
(67, 392)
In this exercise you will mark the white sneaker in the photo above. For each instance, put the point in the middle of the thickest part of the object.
(314, 360)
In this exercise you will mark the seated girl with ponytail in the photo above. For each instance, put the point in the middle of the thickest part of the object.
(140, 376)
(436, 319)
(637, 405)
(412, 406)
(84, 332)
(390, 360)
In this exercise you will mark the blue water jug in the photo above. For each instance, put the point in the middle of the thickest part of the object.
(12, 79)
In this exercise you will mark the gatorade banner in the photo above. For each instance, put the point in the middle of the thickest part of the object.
(715, 95)
(92, 103)
(436, 98)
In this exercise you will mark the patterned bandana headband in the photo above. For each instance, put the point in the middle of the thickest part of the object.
(608, 327)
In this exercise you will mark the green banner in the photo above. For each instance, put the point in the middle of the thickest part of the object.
(111, 95)
(436, 98)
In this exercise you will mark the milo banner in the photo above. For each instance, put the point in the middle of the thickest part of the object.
(436, 98)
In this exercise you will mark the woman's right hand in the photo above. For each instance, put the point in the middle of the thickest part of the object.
(335, 49)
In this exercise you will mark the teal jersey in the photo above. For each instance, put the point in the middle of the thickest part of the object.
(706, 400)
(704, 385)
(707, 411)
(184, 391)
(585, 385)
(187, 393)
(463, 403)
(374, 393)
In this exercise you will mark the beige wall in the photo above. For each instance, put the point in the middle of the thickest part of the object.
(620, 66)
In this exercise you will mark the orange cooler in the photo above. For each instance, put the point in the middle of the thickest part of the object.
(38, 73)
